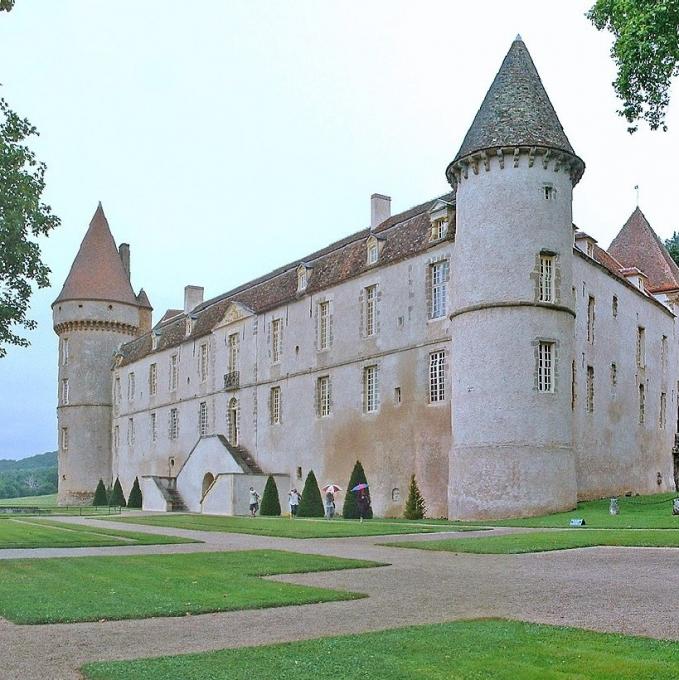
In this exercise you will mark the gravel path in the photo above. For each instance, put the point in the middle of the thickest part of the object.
(629, 590)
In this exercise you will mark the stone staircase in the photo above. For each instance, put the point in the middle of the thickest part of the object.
(168, 487)
(243, 457)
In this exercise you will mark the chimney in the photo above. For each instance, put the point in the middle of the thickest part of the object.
(193, 296)
(124, 251)
(380, 209)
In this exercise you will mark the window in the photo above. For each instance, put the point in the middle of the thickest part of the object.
(323, 325)
(64, 391)
(275, 405)
(373, 251)
(232, 422)
(370, 310)
(302, 278)
(155, 336)
(439, 229)
(641, 347)
(546, 278)
(64, 439)
(154, 428)
(153, 379)
(546, 367)
(437, 374)
(130, 431)
(590, 389)
(117, 391)
(202, 363)
(590, 249)
(64, 352)
(130, 387)
(548, 192)
(174, 423)
(573, 386)
(116, 437)
(323, 396)
(174, 372)
(439, 293)
(234, 342)
(642, 404)
(614, 306)
(370, 389)
(614, 374)
(397, 395)
(276, 340)
(663, 410)
(189, 326)
(663, 354)
(202, 418)
(590, 319)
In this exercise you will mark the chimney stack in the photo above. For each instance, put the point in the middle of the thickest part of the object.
(380, 209)
(124, 251)
(193, 296)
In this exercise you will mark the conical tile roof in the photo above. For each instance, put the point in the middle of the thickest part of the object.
(516, 111)
(637, 245)
(97, 273)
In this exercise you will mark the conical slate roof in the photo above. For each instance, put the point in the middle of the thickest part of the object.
(97, 273)
(516, 111)
(143, 300)
(637, 245)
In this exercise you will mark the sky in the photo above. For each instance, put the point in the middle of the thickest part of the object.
(226, 138)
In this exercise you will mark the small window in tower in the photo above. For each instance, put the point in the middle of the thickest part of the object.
(614, 306)
(64, 352)
(116, 437)
(437, 376)
(641, 347)
(64, 392)
(548, 192)
(397, 395)
(64, 439)
(642, 404)
(614, 374)
(546, 367)
(663, 410)
(590, 390)
(546, 292)
(154, 427)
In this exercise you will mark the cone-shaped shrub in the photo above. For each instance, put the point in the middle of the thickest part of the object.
(350, 509)
(271, 505)
(117, 495)
(415, 507)
(100, 495)
(135, 499)
(311, 504)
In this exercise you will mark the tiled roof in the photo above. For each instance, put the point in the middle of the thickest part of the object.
(637, 245)
(97, 273)
(143, 300)
(405, 235)
(516, 110)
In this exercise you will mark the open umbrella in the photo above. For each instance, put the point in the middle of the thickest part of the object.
(360, 487)
(332, 488)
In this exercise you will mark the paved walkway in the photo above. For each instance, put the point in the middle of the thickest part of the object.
(629, 590)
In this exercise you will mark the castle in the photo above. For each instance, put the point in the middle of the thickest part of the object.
(478, 341)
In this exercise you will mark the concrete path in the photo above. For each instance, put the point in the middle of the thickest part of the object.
(628, 590)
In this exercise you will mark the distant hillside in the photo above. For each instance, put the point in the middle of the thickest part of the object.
(32, 476)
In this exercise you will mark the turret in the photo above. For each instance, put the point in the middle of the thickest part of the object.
(513, 311)
(95, 312)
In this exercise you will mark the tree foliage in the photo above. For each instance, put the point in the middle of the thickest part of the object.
(117, 496)
(271, 504)
(350, 508)
(135, 498)
(415, 507)
(100, 495)
(672, 245)
(646, 53)
(311, 504)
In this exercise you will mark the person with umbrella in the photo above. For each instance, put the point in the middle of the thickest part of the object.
(363, 501)
(329, 501)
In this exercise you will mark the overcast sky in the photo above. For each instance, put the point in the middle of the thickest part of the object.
(225, 138)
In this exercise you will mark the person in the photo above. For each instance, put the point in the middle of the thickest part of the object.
(329, 505)
(254, 502)
(363, 503)
(293, 502)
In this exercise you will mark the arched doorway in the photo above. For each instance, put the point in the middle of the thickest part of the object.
(232, 417)
(207, 482)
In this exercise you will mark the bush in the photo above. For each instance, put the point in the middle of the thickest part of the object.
(117, 495)
(415, 507)
(135, 499)
(271, 505)
(311, 504)
(100, 495)
(350, 509)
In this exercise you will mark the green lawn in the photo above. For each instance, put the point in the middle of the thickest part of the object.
(461, 650)
(29, 532)
(540, 541)
(49, 499)
(285, 527)
(143, 586)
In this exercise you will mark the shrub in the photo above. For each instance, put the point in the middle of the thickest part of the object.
(271, 505)
(311, 504)
(117, 495)
(100, 495)
(415, 507)
(135, 499)
(350, 509)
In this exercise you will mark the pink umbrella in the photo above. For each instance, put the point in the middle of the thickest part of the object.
(332, 488)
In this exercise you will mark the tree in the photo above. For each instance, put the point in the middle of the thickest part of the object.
(415, 507)
(646, 53)
(311, 504)
(271, 505)
(100, 495)
(117, 495)
(135, 499)
(672, 245)
(350, 509)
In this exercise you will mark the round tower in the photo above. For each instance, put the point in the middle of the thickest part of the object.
(513, 318)
(93, 315)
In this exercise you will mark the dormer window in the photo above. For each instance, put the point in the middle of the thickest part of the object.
(303, 272)
(590, 249)
(374, 246)
(155, 337)
(441, 215)
(439, 229)
(189, 326)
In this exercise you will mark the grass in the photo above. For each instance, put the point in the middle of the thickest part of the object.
(49, 500)
(284, 527)
(143, 586)
(541, 541)
(484, 649)
(34, 533)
